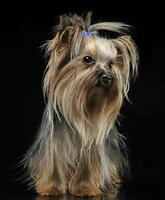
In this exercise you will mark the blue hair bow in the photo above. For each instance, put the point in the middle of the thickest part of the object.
(87, 33)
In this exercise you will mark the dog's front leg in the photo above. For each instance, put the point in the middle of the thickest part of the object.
(86, 180)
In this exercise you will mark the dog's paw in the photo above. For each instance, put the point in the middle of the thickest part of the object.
(51, 191)
(83, 189)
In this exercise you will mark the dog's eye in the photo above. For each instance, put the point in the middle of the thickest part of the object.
(110, 64)
(89, 60)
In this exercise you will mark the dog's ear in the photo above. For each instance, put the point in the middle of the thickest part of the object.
(127, 58)
(65, 45)
(129, 52)
(68, 34)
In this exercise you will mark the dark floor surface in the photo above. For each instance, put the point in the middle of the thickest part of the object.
(150, 191)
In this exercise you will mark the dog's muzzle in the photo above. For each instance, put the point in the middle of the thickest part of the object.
(105, 80)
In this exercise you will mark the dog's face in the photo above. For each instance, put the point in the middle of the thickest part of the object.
(87, 77)
(93, 78)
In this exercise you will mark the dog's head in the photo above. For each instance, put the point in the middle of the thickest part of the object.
(87, 75)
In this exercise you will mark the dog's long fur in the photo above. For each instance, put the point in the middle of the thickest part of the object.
(78, 148)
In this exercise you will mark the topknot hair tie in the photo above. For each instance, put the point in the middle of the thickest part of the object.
(88, 33)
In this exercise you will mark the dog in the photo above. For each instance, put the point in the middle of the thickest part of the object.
(78, 149)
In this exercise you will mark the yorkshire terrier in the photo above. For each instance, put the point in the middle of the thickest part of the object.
(78, 149)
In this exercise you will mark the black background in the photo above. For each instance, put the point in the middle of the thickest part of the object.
(24, 28)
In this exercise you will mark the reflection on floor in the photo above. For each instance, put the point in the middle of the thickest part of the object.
(134, 192)
(61, 197)
(69, 197)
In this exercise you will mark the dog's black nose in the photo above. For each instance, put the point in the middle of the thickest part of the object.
(105, 79)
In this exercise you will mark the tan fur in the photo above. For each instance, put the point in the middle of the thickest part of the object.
(78, 148)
